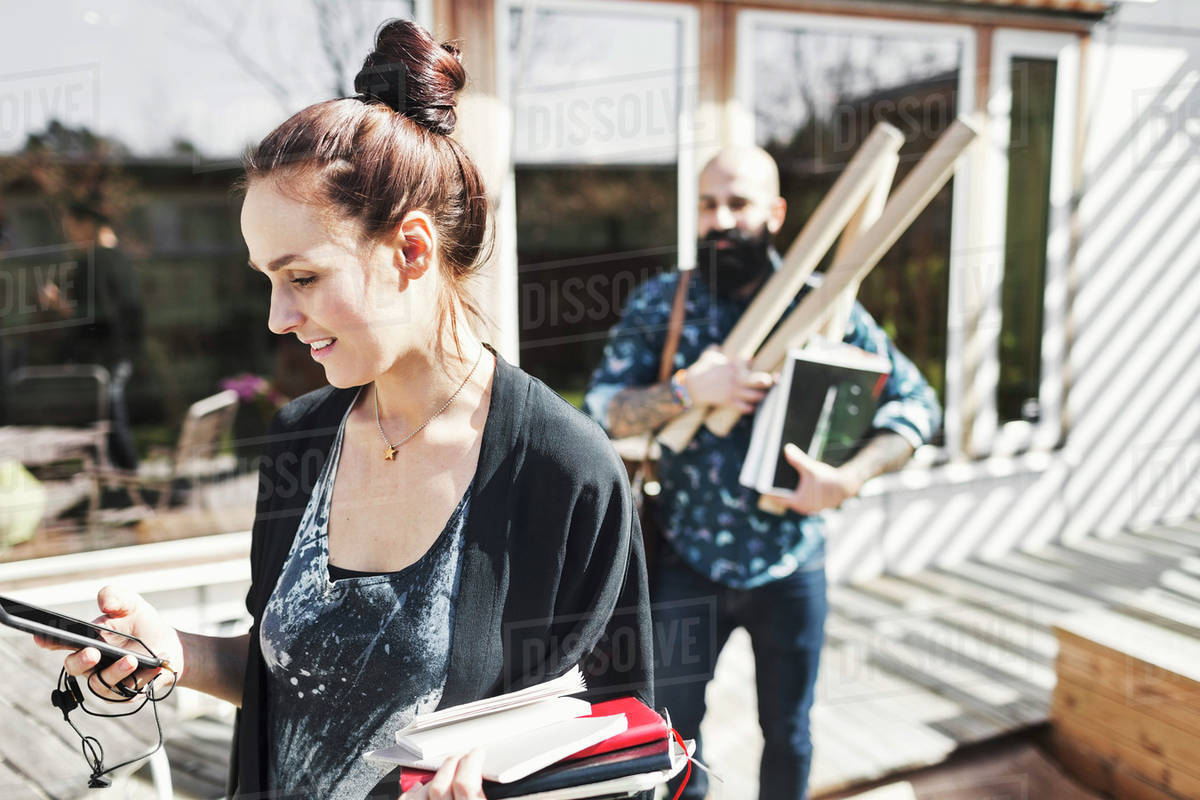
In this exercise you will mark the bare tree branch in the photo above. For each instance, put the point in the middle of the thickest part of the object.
(229, 39)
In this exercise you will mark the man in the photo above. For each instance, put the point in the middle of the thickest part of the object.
(107, 306)
(725, 563)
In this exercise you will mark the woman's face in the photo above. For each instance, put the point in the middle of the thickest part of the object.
(357, 306)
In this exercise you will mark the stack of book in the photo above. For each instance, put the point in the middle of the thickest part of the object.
(823, 403)
(542, 744)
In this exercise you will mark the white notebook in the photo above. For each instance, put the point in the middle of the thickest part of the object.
(510, 758)
(448, 739)
(570, 682)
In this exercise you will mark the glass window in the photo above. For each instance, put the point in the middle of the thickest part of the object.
(817, 92)
(597, 93)
(1031, 138)
(150, 106)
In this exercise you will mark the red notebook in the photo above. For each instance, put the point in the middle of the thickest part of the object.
(645, 725)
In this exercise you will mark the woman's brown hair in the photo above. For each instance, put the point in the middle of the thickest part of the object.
(388, 151)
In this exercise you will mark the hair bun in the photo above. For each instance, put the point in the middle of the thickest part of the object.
(413, 75)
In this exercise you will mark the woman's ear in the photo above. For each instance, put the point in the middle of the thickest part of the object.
(414, 244)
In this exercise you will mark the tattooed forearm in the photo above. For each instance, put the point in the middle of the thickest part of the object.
(640, 410)
(884, 452)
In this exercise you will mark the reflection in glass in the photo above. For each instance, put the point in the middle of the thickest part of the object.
(1029, 150)
(817, 95)
(596, 102)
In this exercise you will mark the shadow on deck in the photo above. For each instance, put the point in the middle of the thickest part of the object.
(918, 667)
(915, 669)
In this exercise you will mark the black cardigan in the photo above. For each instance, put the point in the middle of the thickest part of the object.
(553, 570)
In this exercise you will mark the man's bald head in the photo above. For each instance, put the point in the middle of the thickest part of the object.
(739, 188)
(751, 167)
(740, 211)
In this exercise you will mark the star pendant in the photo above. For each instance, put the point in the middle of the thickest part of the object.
(390, 454)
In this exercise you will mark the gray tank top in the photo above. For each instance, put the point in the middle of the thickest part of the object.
(350, 661)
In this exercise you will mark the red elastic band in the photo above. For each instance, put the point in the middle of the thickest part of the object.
(687, 770)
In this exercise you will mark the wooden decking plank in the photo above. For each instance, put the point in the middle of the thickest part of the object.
(15, 786)
(39, 755)
(1019, 609)
(932, 634)
(1005, 574)
(1175, 533)
(848, 676)
(1094, 559)
(1182, 584)
(1121, 549)
(1099, 581)
(986, 702)
(1038, 644)
(32, 673)
(895, 743)
(1192, 525)
(1164, 608)
(1152, 541)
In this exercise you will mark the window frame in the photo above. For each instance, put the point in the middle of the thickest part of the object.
(423, 13)
(962, 233)
(990, 437)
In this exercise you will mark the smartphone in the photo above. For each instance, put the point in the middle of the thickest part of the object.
(73, 632)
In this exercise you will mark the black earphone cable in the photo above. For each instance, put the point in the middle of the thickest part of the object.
(68, 696)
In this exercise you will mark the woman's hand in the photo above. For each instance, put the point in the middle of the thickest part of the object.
(460, 778)
(126, 612)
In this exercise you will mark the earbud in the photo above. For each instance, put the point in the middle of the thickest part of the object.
(63, 701)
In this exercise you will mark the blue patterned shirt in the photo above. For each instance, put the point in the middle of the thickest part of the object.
(708, 517)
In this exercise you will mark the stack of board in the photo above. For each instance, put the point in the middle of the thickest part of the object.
(1126, 707)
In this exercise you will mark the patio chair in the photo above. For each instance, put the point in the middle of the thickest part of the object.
(196, 458)
(58, 415)
(66, 395)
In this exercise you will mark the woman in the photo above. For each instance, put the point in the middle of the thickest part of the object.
(434, 527)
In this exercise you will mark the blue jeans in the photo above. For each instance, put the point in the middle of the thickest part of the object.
(693, 618)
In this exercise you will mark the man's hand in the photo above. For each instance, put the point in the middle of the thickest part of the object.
(821, 486)
(717, 380)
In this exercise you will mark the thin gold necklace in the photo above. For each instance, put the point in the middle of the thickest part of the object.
(389, 453)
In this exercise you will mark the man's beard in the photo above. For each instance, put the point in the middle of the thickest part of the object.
(730, 270)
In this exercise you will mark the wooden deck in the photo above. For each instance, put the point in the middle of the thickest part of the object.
(915, 667)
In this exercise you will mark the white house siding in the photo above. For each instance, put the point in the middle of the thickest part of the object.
(1131, 455)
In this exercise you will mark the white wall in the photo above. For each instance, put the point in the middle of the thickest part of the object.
(1132, 450)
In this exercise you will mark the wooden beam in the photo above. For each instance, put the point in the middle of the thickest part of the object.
(899, 11)
(910, 198)
(822, 228)
(839, 320)
(866, 216)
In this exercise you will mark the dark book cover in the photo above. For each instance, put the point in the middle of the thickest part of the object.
(653, 757)
(830, 402)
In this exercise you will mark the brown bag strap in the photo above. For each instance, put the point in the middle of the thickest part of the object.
(674, 326)
(670, 347)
